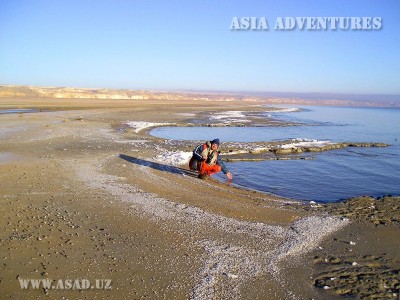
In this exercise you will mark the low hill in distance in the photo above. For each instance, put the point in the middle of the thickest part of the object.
(17, 91)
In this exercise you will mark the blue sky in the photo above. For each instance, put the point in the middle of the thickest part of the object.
(177, 45)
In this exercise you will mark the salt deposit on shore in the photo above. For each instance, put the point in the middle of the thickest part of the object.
(230, 117)
(174, 158)
(289, 109)
(303, 143)
(140, 125)
(238, 260)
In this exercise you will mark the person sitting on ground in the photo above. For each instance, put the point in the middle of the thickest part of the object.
(206, 160)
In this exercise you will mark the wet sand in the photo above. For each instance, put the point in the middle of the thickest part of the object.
(82, 198)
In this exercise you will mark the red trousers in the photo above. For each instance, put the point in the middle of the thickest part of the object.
(203, 168)
(209, 170)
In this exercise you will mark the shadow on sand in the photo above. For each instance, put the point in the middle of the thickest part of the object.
(157, 166)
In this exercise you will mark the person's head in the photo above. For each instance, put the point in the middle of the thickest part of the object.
(215, 144)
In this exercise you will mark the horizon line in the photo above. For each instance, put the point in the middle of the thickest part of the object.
(213, 91)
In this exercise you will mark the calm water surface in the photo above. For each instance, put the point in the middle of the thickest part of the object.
(333, 175)
(17, 111)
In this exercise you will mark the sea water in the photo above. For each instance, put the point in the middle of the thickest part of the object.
(332, 175)
(17, 111)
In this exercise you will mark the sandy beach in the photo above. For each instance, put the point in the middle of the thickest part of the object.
(83, 198)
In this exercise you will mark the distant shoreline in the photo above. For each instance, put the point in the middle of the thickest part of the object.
(286, 98)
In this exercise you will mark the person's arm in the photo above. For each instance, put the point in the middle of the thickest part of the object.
(197, 152)
(224, 169)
